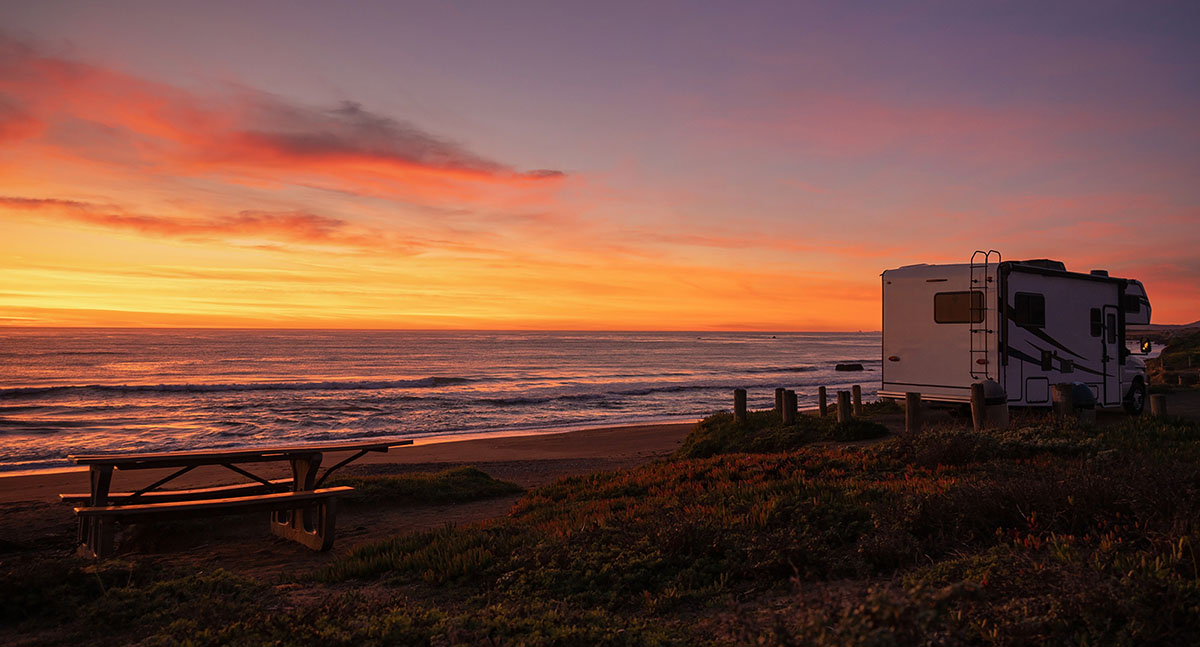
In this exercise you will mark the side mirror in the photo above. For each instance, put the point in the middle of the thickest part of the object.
(1145, 343)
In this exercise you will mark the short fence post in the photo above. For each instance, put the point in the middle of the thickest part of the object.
(739, 405)
(789, 407)
(1063, 403)
(977, 403)
(779, 398)
(912, 413)
(843, 407)
(1158, 405)
(822, 401)
(856, 390)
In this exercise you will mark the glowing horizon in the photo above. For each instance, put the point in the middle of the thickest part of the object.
(761, 187)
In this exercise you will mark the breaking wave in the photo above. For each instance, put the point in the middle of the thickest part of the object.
(359, 385)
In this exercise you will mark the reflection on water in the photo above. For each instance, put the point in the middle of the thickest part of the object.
(65, 391)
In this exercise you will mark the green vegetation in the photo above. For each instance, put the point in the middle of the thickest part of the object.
(1179, 363)
(1183, 344)
(1182, 352)
(458, 485)
(764, 432)
(115, 598)
(882, 407)
(1043, 534)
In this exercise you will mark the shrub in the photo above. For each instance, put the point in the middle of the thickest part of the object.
(764, 432)
(440, 556)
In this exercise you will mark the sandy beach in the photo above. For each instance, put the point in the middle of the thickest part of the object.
(35, 519)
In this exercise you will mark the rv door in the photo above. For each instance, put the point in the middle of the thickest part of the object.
(1112, 357)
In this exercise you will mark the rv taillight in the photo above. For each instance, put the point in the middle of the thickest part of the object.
(981, 361)
(893, 358)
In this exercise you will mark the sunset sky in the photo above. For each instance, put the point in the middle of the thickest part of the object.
(562, 165)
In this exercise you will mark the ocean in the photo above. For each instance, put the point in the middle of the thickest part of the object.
(65, 391)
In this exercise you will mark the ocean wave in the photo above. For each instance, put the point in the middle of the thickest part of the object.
(332, 385)
(601, 397)
(780, 369)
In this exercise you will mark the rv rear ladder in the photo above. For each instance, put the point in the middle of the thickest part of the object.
(982, 281)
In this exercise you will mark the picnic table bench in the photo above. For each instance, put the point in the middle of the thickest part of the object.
(301, 510)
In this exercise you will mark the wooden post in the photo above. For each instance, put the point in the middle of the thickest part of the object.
(843, 407)
(779, 391)
(1063, 403)
(977, 403)
(1158, 405)
(856, 391)
(739, 405)
(912, 413)
(789, 407)
(822, 401)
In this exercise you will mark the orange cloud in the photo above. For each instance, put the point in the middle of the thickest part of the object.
(74, 109)
(296, 226)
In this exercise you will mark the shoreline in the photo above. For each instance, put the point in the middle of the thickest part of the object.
(418, 439)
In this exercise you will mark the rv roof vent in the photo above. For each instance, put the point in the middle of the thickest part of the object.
(1045, 264)
(1099, 272)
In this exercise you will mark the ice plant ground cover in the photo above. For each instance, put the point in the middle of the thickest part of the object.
(1047, 533)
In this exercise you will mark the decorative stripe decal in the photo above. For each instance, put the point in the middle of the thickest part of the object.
(1037, 362)
(1039, 333)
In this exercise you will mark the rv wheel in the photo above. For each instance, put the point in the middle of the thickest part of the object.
(1135, 401)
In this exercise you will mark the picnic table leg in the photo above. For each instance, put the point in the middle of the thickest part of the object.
(312, 526)
(96, 535)
(304, 471)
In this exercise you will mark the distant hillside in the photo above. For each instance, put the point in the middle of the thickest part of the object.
(1179, 362)
(1164, 327)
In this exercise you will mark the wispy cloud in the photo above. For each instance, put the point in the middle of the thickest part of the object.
(292, 226)
(349, 131)
(71, 108)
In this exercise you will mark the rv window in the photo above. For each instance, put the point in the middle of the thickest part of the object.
(1133, 303)
(1112, 329)
(958, 307)
(1029, 310)
(1097, 323)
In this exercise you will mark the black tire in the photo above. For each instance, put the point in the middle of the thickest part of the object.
(1135, 400)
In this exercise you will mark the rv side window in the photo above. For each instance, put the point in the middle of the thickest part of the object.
(1029, 310)
(1133, 303)
(958, 307)
(1097, 323)
(1112, 329)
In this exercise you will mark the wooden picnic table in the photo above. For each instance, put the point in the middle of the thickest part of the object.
(310, 522)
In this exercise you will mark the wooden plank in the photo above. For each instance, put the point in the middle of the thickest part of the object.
(245, 455)
(159, 496)
(268, 451)
(187, 509)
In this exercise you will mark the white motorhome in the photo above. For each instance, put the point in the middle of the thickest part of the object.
(1026, 325)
